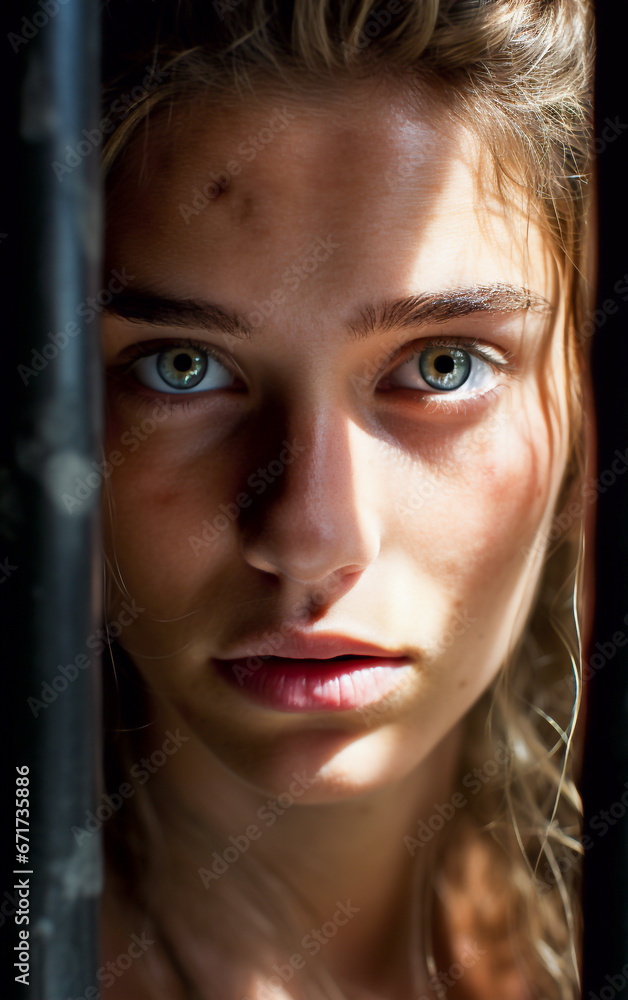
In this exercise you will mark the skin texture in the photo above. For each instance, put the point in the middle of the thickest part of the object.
(405, 517)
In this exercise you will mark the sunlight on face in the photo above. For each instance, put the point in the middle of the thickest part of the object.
(334, 466)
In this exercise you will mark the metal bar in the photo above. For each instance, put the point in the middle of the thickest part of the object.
(55, 384)
(605, 775)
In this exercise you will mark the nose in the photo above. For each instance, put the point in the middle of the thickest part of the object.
(318, 517)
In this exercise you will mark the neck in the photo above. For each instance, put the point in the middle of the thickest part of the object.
(354, 875)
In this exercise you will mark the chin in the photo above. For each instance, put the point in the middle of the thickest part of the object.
(318, 765)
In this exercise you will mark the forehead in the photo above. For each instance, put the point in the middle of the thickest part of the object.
(394, 185)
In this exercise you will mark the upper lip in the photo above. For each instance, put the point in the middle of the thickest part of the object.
(300, 646)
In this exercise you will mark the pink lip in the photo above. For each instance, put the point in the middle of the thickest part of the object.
(301, 646)
(300, 685)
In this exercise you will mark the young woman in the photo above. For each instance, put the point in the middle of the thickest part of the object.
(344, 497)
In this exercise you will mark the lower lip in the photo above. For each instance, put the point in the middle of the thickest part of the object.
(307, 686)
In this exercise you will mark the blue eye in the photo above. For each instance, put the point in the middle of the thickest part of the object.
(447, 368)
(182, 368)
(443, 368)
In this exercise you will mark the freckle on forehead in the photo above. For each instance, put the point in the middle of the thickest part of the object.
(214, 188)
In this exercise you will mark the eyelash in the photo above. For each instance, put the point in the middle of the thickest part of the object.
(146, 349)
(505, 365)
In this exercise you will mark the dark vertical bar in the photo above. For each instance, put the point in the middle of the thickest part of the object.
(605, 779)
(52, 259)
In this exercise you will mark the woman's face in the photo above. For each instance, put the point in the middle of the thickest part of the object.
(326, 472)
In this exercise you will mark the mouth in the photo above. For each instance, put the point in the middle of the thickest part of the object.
(335, 683)
(345, 656)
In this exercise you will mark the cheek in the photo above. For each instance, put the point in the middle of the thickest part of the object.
(471, 532)
(473, 582)
(169, 513)
(492, 485)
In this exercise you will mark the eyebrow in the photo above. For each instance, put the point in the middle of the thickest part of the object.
(142, 306)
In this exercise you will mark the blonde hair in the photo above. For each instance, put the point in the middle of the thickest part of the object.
(520, 72)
